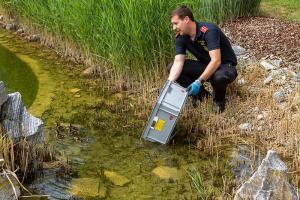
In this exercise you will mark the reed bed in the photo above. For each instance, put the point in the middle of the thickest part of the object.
(128, 36)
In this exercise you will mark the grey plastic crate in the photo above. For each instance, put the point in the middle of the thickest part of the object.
(165, 113)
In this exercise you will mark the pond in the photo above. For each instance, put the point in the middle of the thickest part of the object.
(106, 157)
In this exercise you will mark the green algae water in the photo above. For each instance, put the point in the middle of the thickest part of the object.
(18, 76)
(102, 146)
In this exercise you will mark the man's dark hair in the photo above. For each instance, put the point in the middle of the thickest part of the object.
(183, 11)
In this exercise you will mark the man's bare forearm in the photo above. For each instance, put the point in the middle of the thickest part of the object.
(176, 68)
(209, 70)
(213, 65)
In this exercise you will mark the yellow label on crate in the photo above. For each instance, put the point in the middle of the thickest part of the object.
(159, 125)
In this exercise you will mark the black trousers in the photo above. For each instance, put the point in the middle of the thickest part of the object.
(219, 80)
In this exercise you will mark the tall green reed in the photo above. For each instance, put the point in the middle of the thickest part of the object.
(130, 35)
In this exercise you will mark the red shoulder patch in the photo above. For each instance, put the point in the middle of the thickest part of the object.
(203, 29)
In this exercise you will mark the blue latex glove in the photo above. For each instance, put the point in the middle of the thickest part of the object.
(194, 88)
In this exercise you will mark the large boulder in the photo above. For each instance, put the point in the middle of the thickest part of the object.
(269, 182)
(18, 122)
(3, 94)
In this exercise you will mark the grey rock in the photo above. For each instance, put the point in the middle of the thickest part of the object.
(269, 182)
(244, 61)
(238, 50)
(6, 189)
(245, 126)
(268, 80)
(267, 66)
(276, 62)
(243, 162)
(279, 96)
(18, 122)
(3, 94)
(277, 72)
(10, 26)
(297, 77)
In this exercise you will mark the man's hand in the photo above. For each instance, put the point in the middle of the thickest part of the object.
(194, 88)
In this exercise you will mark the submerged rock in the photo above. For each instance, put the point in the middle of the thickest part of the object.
(166, 173)
(116, 179)
(269, 182)
(88, 188)
(7, 190)
(74, 90)
(18, 122)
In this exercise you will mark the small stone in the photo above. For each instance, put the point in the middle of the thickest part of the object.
(260, 117)
(23, 34)
(20, 31)
(268, 80)
(244, 61)
(88, 71)
(74, 90)
(280, 82)
(276, 62)
(297, 77)
(241, 81)
(10, 26)
(166, 173)
(77, 95)
(267, 66)
(34, 38)
(245, 126)
(1, 18)
(238, 50)
(279, 96)
(88, 188)
(116, 179)
(259, 128)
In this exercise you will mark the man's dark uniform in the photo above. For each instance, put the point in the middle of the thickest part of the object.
(208, 37)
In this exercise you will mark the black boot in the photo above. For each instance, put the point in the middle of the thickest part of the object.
(218, 106)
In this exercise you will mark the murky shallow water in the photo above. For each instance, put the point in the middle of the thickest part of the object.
(104, 146)
(18, 76)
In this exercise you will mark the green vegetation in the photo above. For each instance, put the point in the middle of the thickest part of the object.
(129, 35)
(286, 9)
(197, 182)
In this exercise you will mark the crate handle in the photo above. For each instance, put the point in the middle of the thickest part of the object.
(154, 122)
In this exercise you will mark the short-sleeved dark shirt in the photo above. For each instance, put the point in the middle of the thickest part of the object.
(208, 37)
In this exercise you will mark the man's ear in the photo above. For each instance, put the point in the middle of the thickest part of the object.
(186, 19)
